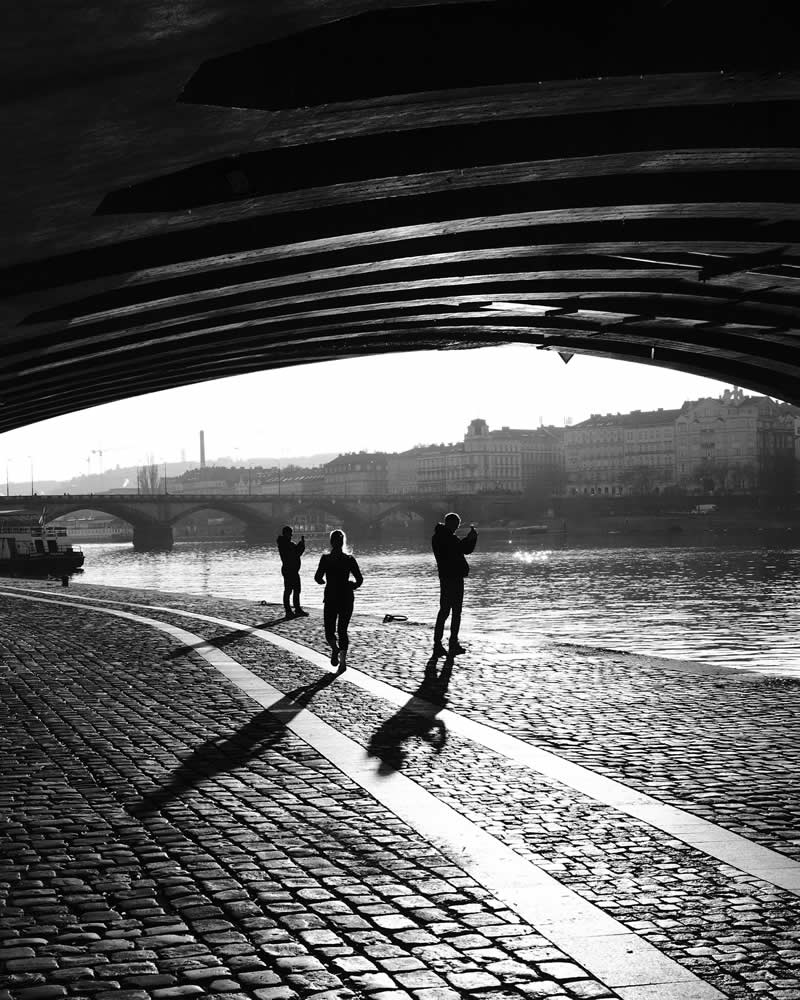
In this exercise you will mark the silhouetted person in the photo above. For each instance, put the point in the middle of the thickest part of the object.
(290, 553)
(334, 570)
(450, 551)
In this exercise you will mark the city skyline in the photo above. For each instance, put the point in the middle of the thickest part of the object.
(378, 403)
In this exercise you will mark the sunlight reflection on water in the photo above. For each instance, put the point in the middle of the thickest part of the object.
(531, 557)
(734, 606)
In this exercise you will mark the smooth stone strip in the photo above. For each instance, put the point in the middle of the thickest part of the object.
(603, 946)
(709, 838)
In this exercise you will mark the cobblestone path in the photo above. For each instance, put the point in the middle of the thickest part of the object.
(165, 839)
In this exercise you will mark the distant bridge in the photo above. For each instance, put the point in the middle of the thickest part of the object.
(153, 516)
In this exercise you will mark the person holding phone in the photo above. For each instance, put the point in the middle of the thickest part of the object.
(450, 552)
(290, 553)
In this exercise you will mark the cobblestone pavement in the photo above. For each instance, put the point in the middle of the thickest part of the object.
(148, 805)
(717, 743)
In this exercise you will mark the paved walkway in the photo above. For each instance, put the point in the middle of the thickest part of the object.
(191, 804)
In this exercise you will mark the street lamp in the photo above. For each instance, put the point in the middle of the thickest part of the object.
(30, 458)
(7, 464)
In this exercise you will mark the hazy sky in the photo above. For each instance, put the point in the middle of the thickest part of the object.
(391, 402)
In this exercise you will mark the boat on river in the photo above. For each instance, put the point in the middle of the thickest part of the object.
(38, 550)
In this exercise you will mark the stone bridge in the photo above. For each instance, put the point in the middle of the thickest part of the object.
(215, 188)
(153, 516)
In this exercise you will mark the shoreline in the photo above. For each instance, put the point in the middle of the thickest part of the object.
(424, 629)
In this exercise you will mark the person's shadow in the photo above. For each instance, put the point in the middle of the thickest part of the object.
(416, 719)
(226, 638)
(226, 753)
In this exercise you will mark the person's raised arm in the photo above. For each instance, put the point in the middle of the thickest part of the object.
(301, 545)
(469, 540)
(319, 576)
(357, 574)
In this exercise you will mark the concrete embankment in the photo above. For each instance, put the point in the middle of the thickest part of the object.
(194, 805)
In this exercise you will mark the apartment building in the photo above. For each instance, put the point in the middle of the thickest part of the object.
(284, 482)
(357, 474)
(541, 455)
(622, 453)
(403, 471)
(734, 442)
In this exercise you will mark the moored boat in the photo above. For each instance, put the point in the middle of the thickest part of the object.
(37, 549)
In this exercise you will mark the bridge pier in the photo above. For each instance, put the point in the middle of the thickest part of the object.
(152, 537)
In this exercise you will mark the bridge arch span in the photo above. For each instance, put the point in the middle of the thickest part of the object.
(342, 512)
(628, 200)
(427, 512)
(134, 516)
(259, 528)
(244, 514)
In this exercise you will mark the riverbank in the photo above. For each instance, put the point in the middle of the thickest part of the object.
(165, 831)
(680, 527)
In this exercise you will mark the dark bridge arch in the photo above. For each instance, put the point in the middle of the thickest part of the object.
(427, 511)
(343, 511)
(618, 179)
(56, 507)
(150, 531)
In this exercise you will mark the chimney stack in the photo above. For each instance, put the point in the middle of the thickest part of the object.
(202, 449)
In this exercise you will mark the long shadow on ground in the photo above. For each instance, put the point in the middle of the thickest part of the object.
(224, 754)
(416, 719)
(226, 638)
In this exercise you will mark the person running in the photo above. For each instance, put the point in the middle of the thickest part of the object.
(290, 553)
(334, 570)
(450, 551)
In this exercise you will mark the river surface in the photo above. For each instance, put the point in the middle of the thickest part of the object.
(732, 605)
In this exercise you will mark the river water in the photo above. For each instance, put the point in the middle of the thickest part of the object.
(731, 605)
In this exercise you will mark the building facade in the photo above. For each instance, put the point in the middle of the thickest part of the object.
(622, 453)
(403, 472)
(542, 459)
(735, 442)
(288, 482)
(492, 460)
(594, 451)
(357, 474)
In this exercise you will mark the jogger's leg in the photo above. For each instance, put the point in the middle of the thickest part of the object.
(345, 614)
(329, 617)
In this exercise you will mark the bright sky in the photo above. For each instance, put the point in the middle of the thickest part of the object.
(391, 403)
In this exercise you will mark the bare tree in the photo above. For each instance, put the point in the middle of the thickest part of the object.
(639, 479)
(148, 478)
(711, 475)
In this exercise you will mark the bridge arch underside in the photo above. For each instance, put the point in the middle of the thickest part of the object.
(253, 526)
(406, 512)
(622, 184)
(56, 509)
